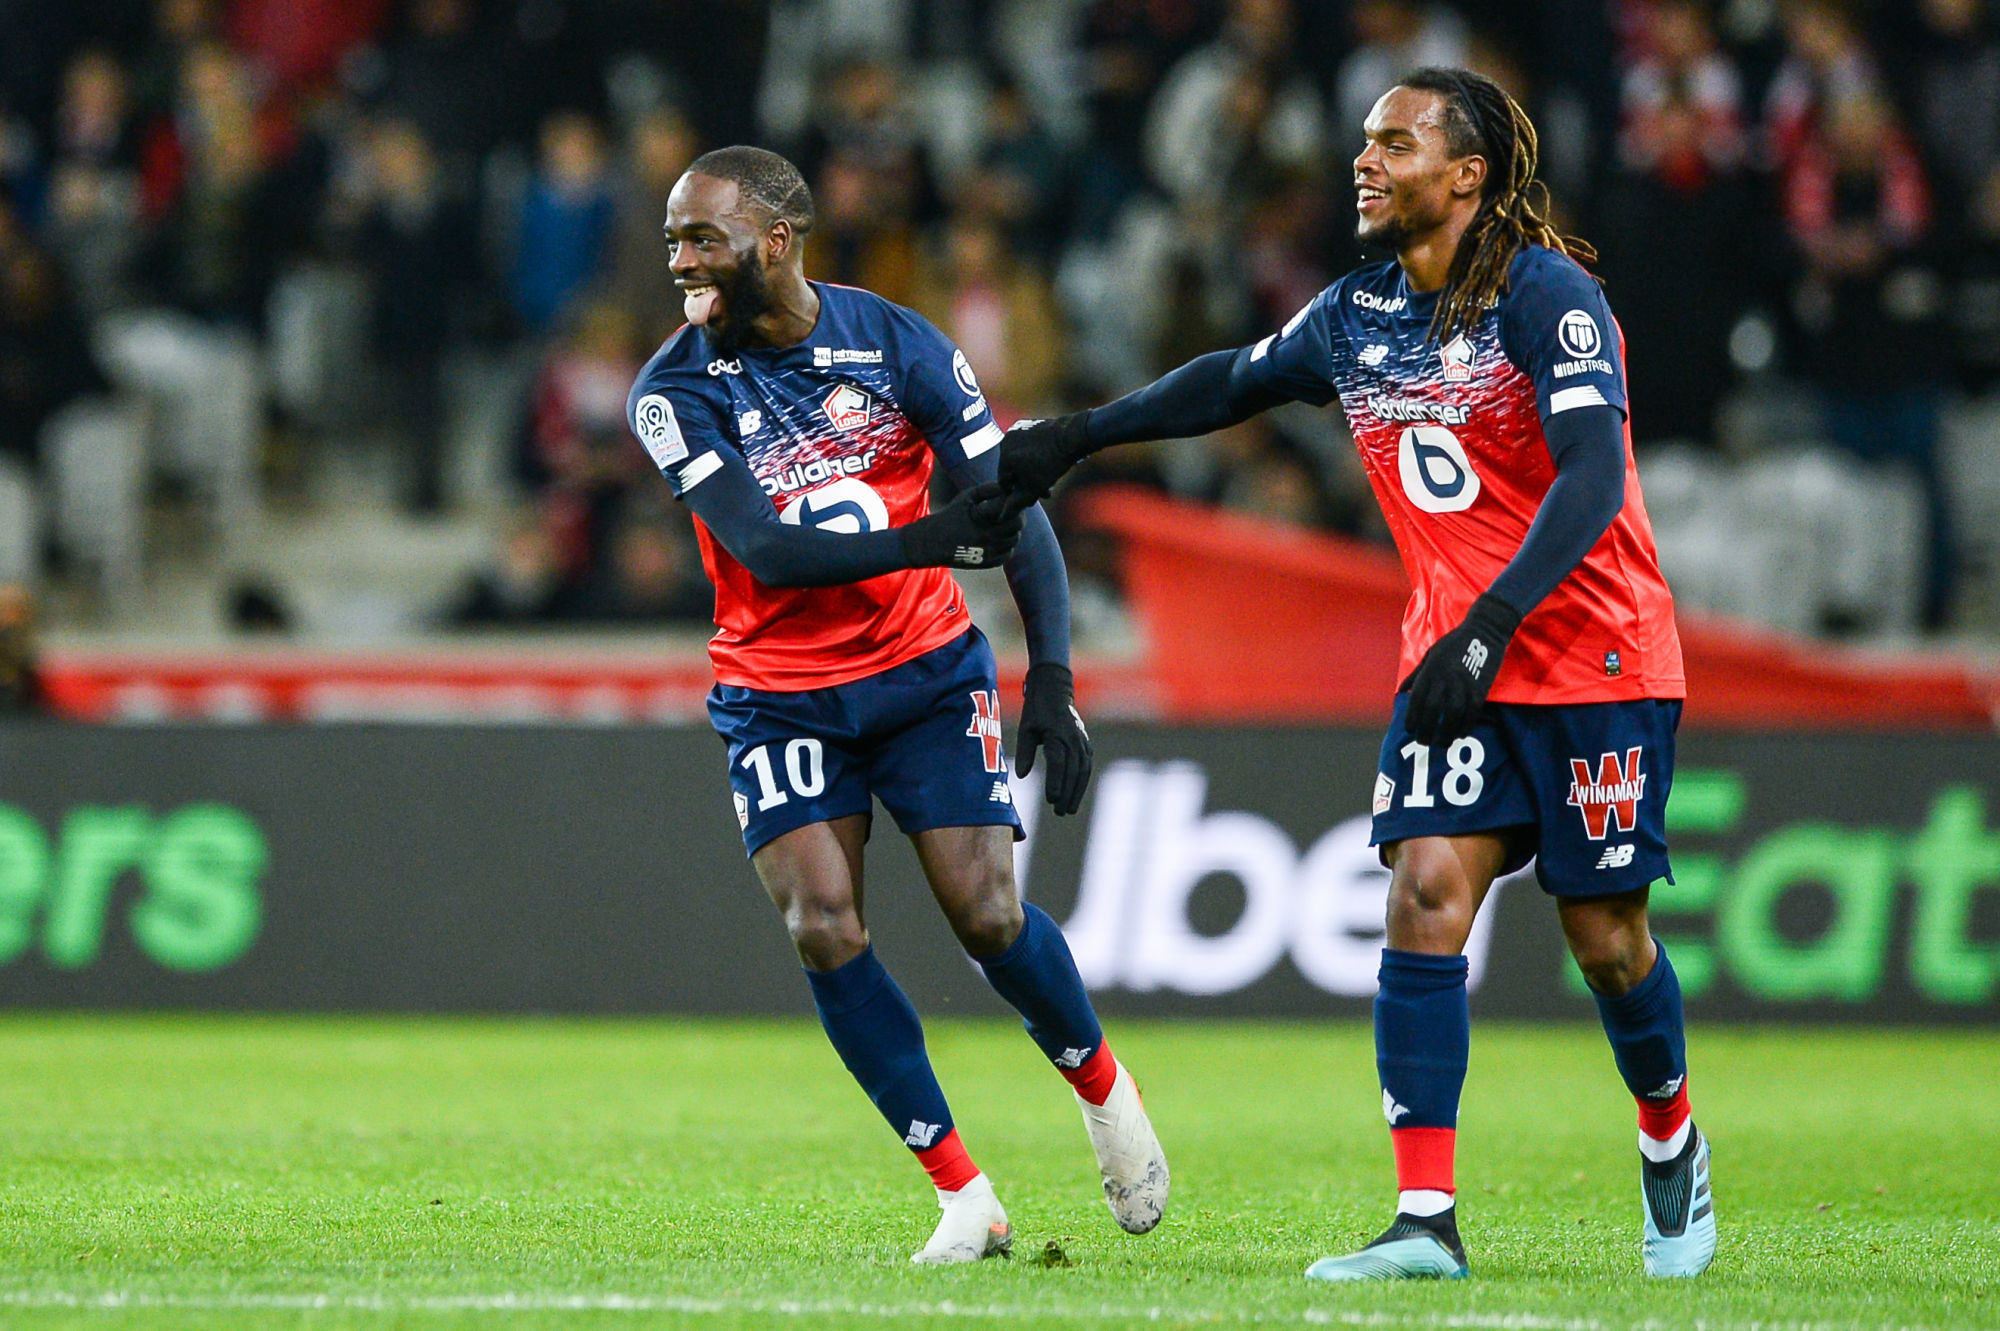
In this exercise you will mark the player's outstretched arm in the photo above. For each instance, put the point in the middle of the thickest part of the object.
(1050, 723)
(1208, 393)
(976, 530)
(1450, 684)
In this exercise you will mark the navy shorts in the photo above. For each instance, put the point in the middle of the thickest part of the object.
(1582, 787)
(923, 737)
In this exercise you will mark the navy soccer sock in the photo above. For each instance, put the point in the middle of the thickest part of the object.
(1650, 1045)
(1422, 1039)
(1038, 976)
(877, 1035)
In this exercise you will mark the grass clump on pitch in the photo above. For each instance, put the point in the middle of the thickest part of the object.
(236, 1172)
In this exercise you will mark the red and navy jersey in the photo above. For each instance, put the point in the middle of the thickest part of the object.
(841, 431)
(1451, 437)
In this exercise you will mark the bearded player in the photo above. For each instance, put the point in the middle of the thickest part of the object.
(1482, 378)
(801, 422)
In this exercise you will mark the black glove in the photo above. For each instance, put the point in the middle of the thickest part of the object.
(1049, 721)
(1035, 454)
(1450, 684)
(977, 529)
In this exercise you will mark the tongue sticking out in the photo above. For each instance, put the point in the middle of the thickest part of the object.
(698, 306)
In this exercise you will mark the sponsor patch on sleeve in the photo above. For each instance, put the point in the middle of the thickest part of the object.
(658, 430)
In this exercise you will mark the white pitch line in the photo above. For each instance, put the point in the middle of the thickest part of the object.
(111, 1301)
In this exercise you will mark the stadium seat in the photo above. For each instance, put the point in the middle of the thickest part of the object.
(20, 524)
(208, 387)
(96, 449)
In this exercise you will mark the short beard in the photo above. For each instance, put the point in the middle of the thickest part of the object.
(746, 295)
(1392, 235)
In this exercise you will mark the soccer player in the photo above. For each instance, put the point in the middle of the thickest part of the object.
(1482, 378)
(801, 422)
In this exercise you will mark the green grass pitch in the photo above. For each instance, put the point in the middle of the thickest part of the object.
(234, 1172)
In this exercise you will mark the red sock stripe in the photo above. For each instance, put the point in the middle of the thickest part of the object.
(947, 1163)
(1423, 1157)
(1093, 1080)
(1661, 1119)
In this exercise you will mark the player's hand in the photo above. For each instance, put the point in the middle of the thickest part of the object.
(977, 529)
(1049, 721)
(1035, 454)
(1450, 684)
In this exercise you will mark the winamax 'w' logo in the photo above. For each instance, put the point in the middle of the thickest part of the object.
(985, 727)
(1612, 795)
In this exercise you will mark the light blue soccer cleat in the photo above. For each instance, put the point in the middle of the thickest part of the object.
(1680, 1212)
(1413, 1248)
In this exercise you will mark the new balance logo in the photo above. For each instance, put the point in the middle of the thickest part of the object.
(1668, 1091)
(1073, 1058)
(970, 554)
(1374, 354)
(1390, 1109)
(922, 1134)
(1616, 857)
(1476, 655)
(1001, 794)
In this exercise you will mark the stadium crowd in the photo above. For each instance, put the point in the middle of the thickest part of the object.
(394, 218)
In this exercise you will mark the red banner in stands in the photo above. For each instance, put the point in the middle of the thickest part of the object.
(1250, 620)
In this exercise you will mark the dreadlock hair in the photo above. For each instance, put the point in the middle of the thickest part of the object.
(764, 178)
(1481, 119)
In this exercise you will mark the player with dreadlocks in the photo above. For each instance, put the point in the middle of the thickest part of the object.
(1482, 377)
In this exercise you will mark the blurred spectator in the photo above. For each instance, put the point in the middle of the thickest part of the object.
(1681, 99)
(1956, 93)
(445, 74)
(1128, 45)
(521, 587)
(419, 245)
(298, 45)
(1392, 38)
(1284, 255)
(1955, 90)
(864, 236)
(659, 147)
(45, 358)
(227, 214)
(179, 26)
(566, 219)
(1260, 473)
(93, 211)
(863, 118)
(1019, 173)
(583, 454)
(1235, 112)
(1674, 239)
(1870, 302)
(653, 576)
(1826, 65)
(21, 692)
(1001, 314)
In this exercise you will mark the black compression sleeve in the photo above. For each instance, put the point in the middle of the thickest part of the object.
(778, 554)
(1588, 445)
(1036, 574)
(1208, 393)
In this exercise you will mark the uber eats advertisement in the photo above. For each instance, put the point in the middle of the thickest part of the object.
(1211, 871)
